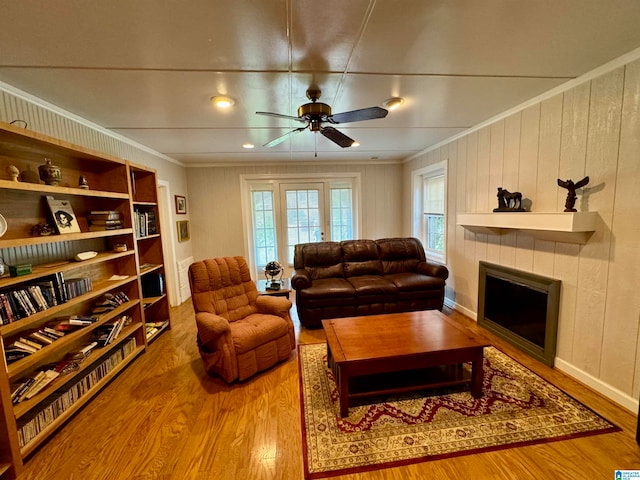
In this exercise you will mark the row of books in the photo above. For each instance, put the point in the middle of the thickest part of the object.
(39, 296)
(31, 427)
(36, 340)
(101, 336)
(30, 386)
(144, 223)
(31, 343)
(104, 220)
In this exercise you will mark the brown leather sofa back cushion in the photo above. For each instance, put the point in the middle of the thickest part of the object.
(361, 258)
(223, 286)
(399, 255)
(321, 260)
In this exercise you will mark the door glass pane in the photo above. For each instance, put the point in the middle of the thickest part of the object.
(303, 218)
(264, 231)
(341, 214)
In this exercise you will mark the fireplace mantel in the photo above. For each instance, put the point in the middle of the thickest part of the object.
(569, 227)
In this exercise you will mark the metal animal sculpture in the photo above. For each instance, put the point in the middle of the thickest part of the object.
(507, 199)
(569, 205)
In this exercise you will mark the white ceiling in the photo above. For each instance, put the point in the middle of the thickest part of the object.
(146, 69)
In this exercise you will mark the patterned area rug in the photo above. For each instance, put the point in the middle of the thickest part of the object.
(517, 408)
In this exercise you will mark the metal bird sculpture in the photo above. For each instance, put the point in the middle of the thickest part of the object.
(569, 205)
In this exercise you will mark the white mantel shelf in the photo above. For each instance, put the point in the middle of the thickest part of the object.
(569, 227)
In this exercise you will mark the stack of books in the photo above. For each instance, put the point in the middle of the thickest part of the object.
(108, 302)
(104, 220)
(27, 388)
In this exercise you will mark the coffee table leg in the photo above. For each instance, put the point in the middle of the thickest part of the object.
(477, 373)
(343, 390)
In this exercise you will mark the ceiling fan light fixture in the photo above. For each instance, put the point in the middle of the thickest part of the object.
(393, 103)
(355, 143)
(222, 101)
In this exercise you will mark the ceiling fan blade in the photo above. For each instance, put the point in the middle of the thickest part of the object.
(358, 115)
(337, 137)
(282, 138)
(279, 115)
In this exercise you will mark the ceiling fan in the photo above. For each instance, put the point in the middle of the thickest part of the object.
(315, 113)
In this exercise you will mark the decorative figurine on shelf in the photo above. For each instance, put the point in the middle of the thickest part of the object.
(83, 183)
(273, 269)
(508, 201)
(50, 174)
(569, 205)
(41, 230)
(13, 172)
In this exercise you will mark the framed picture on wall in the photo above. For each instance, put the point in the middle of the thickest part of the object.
(181, 204)
(183, 230)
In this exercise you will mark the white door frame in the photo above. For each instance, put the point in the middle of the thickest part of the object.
(168, 243)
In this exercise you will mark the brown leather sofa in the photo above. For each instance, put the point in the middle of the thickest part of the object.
(364, 277)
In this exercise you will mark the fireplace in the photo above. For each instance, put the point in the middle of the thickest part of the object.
(521, 308)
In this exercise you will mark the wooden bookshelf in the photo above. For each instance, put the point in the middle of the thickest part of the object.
(114, 185)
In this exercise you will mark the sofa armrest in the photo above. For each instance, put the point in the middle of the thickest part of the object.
(211, 327)
(273, 305)
(300, 279)
(433, 270)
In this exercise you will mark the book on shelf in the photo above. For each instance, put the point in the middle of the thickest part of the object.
(104, 215)
(13, 354)
(63, 217)
(82, 353)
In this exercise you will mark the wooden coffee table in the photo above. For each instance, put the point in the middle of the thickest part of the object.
(401, 352)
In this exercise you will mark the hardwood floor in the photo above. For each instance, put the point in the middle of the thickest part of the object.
(164, 418)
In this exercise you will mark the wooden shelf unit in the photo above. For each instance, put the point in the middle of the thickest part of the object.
(114, 184)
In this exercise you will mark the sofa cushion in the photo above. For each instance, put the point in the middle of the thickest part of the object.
(360, 258)
(321, 259)
(327, 288)
(400, 254)
(372, 285)
(414, 281)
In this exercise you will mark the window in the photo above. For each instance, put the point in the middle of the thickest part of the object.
(430, 210)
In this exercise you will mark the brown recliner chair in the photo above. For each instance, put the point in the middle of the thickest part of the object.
(239, 332)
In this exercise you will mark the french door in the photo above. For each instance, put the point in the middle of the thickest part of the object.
(302, 210)
(284, 212)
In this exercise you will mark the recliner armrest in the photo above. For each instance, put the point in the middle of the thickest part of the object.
(300, 279)
(433, 270)
(273, 305)
(211, 327)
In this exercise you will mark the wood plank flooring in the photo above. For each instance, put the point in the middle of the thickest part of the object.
(164, 418)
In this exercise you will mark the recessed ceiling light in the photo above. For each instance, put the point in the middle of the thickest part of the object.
(248, 145)
(222, 101)
(393, 103)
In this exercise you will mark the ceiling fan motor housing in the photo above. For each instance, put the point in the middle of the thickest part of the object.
(315, 113)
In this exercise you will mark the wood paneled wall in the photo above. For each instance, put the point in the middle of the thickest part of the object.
(591, 129)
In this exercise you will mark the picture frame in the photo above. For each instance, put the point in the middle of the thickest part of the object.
(63, 217)
(183, 230)
(181, 204)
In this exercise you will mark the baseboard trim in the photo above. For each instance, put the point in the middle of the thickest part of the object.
(612, 393)
(599, 386)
